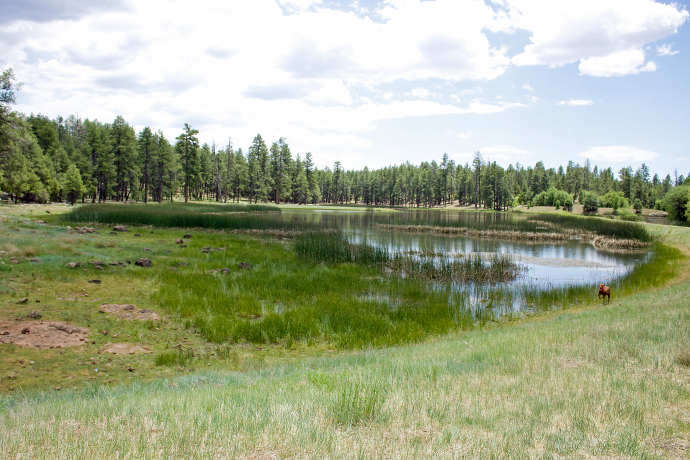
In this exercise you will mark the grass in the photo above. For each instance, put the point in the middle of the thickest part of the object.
(179, 215)
(588, 382)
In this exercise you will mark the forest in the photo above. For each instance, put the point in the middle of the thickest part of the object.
(73, 159)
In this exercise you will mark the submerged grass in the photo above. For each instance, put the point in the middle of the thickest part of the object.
(179, 215)
(590, 224)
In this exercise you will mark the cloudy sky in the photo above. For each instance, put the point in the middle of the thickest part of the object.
(372, 82)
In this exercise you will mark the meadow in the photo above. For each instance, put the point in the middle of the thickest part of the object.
(301, 357)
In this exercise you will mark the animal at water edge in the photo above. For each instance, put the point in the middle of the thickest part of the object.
(604, 291)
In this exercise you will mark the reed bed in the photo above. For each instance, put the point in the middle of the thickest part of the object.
(476, 233)
(596, 225)
(178, 215)
(333, 247)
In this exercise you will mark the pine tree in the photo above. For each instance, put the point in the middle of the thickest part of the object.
(73, 185)
(147, 144)
(187, 145)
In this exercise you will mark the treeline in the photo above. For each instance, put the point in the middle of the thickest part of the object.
(70, 159)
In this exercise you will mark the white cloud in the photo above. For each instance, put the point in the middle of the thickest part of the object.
(421, 93)
(665, 50)
(466, 135)
(567, 31)
(576, 102)
(617, 64)
(619, 153)
(527, 86)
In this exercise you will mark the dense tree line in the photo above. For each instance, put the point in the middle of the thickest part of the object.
(70, 159)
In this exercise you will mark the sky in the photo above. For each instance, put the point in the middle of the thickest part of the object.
(371, 83)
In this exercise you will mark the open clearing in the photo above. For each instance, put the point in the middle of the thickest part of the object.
(596, 381)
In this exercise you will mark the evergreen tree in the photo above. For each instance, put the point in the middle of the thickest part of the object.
(186, 147)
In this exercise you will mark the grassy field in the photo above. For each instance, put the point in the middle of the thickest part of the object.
(591, 382)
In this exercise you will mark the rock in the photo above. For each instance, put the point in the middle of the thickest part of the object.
(98, 267)
(34, 315)
(26, 330)
(113, 233)
(74, 264)
(24, 300)
(225, 270)
(246, 265)
(148, 249)
(57, 388)
(214, 271)
(14, 261)
(188, 235)
(130, 369)
(183, 245)
(37, 261)
(83, 230)
(114, 264)
(179, 241)
(136, 234)
(143, 262)
(127, 262)
(95, 281)
(97, 262)
(38, 300)
(105, 332)
(120, 228)
(66, 328)
(173, 269)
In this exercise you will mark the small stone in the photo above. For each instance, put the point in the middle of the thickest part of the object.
(34, 315)
(115, 264)
(183, 245)
(24, 300)
(113, 233)
(95, 281)
(188, 235)
(98, 267)
(183, 264)
(136, 234)
(38, 300)
(143, 262)
(14, 261)
(31, 362)
(127, 262)
(74, 264)
(225, 270)
(120, 228)
(246, 266)
(130, 369)
(179, 241)
(105, 332)
(147, 249)
(57, 388)
(26, 330)
(97, 262)
(37, 261)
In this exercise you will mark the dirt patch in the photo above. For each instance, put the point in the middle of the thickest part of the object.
(125, 349)
(42, 334)
(130, 312)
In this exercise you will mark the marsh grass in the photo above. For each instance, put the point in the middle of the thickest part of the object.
(179, 215)
(174, 357)
(596, 225)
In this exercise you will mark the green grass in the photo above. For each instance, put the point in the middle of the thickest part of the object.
(179, 215)
(604, 227)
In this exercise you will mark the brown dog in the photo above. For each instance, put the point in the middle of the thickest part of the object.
(604, 291)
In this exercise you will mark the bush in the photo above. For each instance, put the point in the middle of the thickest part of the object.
(590, 201)
(553, 196)
(676, 203)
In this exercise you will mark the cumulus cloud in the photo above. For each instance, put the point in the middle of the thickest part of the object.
(527, 86)
(617, 64)
(571, 30)
(50, 10)
(466, 135)
(619, 153)
(665, 50)
(576, 102)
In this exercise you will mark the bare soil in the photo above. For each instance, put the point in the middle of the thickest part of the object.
(42, 334)
(129, 312)
(125, 349)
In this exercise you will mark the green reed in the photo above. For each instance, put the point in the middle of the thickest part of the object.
(604, 227)
(179, 215)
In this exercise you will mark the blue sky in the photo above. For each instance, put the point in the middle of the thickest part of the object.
(372, 82)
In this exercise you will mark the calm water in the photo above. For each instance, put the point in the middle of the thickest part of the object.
(572, 262)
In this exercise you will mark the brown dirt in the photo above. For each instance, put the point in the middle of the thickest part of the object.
(42, 334)
(130, 312)
(125, 349)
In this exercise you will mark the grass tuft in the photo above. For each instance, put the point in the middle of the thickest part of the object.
(357, 403)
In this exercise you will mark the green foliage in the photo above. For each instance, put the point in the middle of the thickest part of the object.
(637, 205)
(174, 358)
(73, 185)
(614, 200)
(676, 203)
(552, 196)
(590, 201)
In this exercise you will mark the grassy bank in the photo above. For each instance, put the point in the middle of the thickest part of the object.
(601, 382)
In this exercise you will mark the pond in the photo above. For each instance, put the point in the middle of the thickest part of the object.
(546, 263)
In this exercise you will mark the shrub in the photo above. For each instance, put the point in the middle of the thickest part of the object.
(637, 205)
(590, 201)
(614, 200)
(552, 196)
(676, 203)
